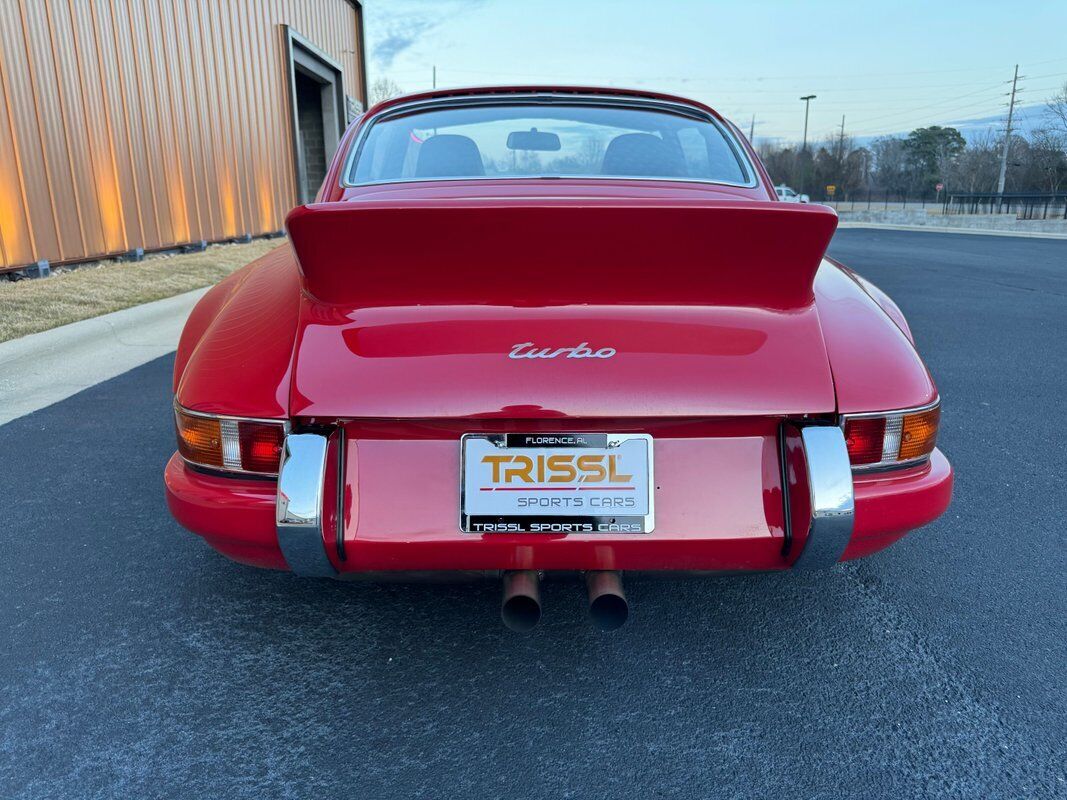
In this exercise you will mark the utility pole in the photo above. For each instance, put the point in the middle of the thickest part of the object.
(1007, 137)
(841, 154)
(435, 76)
(807, 104)
(752, 132)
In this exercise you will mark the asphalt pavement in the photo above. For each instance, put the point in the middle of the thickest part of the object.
(135, 662)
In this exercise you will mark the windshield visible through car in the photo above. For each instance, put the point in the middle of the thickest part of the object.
(545, 140)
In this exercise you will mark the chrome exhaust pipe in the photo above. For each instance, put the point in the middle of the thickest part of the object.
(608, 608)
(520, 607)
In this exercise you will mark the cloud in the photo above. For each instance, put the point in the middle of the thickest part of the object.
(397, 40)
(393, 31)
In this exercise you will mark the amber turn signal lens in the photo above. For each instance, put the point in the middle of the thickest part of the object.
(919, 434)
(199, 439)
(230, 444)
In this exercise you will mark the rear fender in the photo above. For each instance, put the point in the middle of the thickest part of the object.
(201, 317)
(241, 362)
(874, 362)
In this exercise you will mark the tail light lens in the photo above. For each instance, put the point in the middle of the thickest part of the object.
(919, 434)
(229, 443)
(891, 439)
(261, 446)
(199, 439)
(865, 439)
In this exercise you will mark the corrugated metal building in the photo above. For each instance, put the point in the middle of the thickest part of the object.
(131, 125)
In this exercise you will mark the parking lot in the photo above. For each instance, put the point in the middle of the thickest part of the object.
(137, 663)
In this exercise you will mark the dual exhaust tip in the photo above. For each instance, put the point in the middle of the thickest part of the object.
(521, 605)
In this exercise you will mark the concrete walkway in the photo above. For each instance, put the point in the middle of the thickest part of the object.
(44, 368)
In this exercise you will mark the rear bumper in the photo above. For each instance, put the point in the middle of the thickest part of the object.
(234, 515)
(890, 505)
(237, 518)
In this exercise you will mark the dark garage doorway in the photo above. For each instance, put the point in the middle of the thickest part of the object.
(318, 121)
(311, 127)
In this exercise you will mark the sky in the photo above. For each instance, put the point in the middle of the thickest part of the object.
(886, 66)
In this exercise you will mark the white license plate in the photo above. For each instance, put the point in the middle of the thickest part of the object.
(557, 483)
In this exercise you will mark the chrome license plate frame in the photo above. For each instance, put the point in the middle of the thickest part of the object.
(583, 505)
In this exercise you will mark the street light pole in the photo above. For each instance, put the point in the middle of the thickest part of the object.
(804, 147)
(807, 104)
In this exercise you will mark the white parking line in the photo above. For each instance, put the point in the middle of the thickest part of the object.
(44, 368)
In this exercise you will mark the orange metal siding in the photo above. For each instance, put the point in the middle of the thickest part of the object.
(152, 123)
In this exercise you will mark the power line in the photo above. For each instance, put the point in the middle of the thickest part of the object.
(728, 102)
(756, 78)
(951, 116)
(1048, 75)
(1054, 88)
(718, 83)
(948, 115)
(930, 105)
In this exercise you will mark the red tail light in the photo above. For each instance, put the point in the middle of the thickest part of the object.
(229, 443)
(261, 446)
(864, 438)
(892, 438)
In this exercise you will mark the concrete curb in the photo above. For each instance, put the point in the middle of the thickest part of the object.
(44, 368)
(944, 229)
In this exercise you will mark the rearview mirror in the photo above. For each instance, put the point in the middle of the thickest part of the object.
(533, 139)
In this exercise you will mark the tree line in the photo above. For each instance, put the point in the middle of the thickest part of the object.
(915, 164)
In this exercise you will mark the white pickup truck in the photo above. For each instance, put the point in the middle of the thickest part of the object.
(787, 195)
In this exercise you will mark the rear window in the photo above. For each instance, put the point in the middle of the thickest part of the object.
(545, 140)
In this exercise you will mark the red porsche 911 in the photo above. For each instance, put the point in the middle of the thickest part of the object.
(533, 330)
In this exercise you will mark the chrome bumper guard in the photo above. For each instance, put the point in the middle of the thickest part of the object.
(299, 511)
(301, 480)
(833, 504)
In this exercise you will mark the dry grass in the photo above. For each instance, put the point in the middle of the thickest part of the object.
(30, 306)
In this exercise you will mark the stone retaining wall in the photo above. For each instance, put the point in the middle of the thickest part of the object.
(989, 222)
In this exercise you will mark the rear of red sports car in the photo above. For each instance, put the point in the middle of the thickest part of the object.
(526, 331)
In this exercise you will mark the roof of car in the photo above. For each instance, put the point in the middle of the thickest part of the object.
(504, 91)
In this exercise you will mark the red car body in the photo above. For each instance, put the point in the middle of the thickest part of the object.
(385, 329)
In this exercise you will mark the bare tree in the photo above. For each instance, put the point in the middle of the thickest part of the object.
(384, 89)
(1057, 110)
(1047, 161)
(780, 162)
(858, 167)
(840, 164)
(976, 168)
(892, 169)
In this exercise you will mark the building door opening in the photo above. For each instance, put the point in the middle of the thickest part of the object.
(311, 126)
(318, 121)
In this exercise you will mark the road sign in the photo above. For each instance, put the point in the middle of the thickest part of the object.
(831, 189)
(940, 186)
